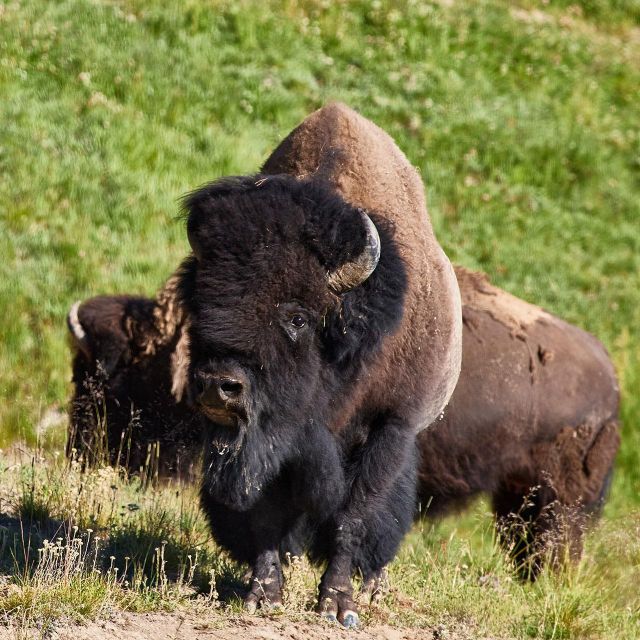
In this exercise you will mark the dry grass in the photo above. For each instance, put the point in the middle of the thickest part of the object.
(83, 544)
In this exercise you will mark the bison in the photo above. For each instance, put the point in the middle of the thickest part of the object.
(325, 333)
(533, 421)
(327, 469)
(129, 405)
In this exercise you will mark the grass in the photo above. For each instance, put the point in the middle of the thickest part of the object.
(523, 120)
(77, 545)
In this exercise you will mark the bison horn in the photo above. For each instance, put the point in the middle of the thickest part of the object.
(353, 273)
(77, 331)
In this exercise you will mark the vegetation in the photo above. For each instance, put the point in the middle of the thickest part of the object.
(83, 544)
(523, 119)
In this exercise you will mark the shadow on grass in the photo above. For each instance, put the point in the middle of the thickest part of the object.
(148, 557)
(22, 537)
(145, 558)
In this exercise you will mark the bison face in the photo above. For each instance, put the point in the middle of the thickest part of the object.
(273, 258)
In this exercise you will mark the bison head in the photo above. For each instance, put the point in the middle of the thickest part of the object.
(283, 286)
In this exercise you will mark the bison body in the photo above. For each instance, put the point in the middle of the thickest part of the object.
(128, 405)
(533, 423)
(325, 333)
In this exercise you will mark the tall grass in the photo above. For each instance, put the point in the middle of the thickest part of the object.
(79, 543)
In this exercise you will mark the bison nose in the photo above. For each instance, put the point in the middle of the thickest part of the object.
(219, 391)
(229, 388)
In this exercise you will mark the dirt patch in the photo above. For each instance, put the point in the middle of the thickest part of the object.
(176, 626)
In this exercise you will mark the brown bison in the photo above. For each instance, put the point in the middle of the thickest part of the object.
(324, 333)
(532, 422)
(129, 405)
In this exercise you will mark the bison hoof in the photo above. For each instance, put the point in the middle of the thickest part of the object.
(350, 619)
(263, 595)
(251, 603)
(329, 617)
(336, 606)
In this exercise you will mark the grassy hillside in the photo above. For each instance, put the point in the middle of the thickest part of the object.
(523, 118)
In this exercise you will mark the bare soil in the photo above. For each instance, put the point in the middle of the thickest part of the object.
(177, 626)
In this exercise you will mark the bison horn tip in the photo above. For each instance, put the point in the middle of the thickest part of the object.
(76, 329)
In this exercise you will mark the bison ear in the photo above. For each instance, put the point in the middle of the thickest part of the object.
(198, 205)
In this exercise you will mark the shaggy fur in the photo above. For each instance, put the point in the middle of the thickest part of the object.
(532, 423)
(129, 371)
(319, 409)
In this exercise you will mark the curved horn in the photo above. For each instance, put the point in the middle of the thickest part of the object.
(77, 331)
(351, 274)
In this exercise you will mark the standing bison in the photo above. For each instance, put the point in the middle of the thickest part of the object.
(533, 422)
(325, 333)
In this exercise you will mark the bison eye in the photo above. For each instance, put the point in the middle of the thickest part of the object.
(298, 321)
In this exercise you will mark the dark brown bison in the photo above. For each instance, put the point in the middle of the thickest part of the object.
(129, 405)
(532, 422)
(325, 333)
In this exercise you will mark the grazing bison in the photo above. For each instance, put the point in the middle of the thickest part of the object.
(128, 405)
(325, 333)
(532, 421)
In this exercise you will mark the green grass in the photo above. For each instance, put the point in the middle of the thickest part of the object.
(523, 119)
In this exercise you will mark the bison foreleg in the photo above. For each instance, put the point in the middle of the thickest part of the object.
(376, 515)
(266, 582)
(268, 524)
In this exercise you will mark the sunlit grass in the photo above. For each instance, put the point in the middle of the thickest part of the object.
(78, 545)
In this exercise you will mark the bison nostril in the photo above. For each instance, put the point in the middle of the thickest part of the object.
(230, 388)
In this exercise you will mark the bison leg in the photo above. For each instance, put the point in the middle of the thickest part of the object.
(377, 514)
(269, 523)
(547, 521)
(516, 515)
(255, 537)
(266, 583)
